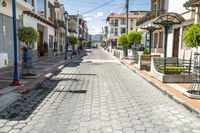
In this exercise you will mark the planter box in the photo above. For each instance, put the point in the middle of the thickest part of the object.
(145, 61)
(168, 78)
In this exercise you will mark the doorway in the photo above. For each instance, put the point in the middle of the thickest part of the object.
(176, 42)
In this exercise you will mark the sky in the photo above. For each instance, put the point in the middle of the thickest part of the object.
(96, 19)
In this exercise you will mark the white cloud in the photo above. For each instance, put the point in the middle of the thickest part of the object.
(88, 19)
(99, 14)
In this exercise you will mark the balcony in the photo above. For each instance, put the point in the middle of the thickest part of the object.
(60, 23)
(150, 16)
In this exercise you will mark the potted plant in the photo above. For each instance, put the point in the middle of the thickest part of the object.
(28, 36)
(133, 39)
(192, 40)
(73, 41)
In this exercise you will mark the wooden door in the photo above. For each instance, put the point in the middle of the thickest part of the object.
(176, 42)
(40, 41)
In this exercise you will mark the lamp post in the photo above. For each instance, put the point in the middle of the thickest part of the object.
(66, 34)
(78, 32)
(16, 66)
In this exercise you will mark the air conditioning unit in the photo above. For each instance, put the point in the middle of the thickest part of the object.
(3, 60)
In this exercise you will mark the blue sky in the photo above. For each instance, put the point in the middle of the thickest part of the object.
(96, 19)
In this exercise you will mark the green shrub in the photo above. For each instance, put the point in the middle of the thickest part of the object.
(28, 35)
(146, 52)
(171, 69)
(134, 37)
(192, 36)
(123, 40)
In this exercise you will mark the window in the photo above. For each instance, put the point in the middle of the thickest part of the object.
(116, 31)
(112, 22)
(112, 31)
(50, 41)
(41, 8)
(123, 30)
(116, 22)
(123, 21)
(30, 2)
(131, 28)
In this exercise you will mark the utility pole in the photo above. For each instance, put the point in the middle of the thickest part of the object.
(127, 10)
(16, 63)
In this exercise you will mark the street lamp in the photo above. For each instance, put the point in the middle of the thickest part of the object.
(16, 65)
(4, 3)
(150, 28)
(66, 33)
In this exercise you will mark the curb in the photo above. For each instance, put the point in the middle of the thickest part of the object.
(181, 102)
(41, 79)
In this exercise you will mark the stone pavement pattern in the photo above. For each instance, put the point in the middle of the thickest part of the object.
(117, 101)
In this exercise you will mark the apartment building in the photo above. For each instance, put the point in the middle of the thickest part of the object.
(6, 29)
(46, 16)
(43, 18)
(80, 27)
(175, 44)
(117, 25)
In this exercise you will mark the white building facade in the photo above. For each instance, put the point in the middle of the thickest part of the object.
(175, 44)
(116, 24)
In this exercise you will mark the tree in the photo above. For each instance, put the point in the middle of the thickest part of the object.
(84, 43)
(123, 40)
(192, 36)
(28, 35)
(73, 41)
(134, 37)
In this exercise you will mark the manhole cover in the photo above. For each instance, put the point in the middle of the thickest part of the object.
(77, 91)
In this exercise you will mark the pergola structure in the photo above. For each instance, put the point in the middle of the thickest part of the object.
(150, 28)
(166, 21)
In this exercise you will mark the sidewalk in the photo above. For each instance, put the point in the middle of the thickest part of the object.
(172, 90)
(44, 68)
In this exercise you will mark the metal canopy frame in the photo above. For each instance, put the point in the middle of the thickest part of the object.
(190, 3)
(150, 28)
(166, 21)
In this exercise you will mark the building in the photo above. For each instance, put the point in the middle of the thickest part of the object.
(175, 44)
(46, 16)
(117, 25)
(6, 29)
(78, 27)
(96, 38)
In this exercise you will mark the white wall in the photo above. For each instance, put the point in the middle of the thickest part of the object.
(29, 21)
(21, 6)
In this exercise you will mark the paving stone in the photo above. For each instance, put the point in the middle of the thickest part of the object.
(117, 101)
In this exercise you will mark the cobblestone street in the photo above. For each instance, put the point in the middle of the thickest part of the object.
(97, 95)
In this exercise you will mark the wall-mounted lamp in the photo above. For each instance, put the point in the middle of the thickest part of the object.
(4, 3)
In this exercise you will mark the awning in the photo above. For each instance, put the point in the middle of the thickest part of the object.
(192, 3)
(170, 18)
